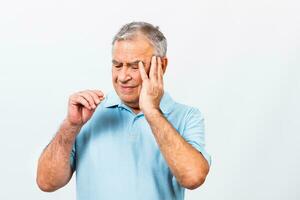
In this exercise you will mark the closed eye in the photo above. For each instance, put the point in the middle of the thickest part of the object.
(134, 65)
(116, 64)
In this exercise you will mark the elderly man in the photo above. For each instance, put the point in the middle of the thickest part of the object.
(135, 143)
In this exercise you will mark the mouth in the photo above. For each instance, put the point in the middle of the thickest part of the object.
(127, 89)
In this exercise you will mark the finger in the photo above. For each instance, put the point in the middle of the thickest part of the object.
(99, 93)
(79, 99)
(96, 98)
(142, 71)
(153, 69)
(159, 69)
(89, 99)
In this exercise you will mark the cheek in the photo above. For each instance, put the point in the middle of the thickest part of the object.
(137, 77)
(114, 75)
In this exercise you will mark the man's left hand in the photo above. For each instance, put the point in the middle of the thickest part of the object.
(152, 86)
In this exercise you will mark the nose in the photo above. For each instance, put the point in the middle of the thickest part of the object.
(124, 75)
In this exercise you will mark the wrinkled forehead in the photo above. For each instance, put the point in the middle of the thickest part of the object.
(132, 49)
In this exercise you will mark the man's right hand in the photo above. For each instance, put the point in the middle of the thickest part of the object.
(54, 169)
(82, 105)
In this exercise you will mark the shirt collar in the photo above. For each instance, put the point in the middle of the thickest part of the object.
(113, 100)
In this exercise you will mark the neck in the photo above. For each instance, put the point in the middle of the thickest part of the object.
(136, 110)
(134, 107)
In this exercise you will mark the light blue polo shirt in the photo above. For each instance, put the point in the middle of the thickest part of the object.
(116, 156)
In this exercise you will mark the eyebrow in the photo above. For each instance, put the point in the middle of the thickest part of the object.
(131, 63)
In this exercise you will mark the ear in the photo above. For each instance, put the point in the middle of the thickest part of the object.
(164, 62)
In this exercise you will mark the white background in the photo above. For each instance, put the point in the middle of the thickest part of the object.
(238, 61)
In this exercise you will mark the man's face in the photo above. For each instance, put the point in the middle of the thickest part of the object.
(125, 71)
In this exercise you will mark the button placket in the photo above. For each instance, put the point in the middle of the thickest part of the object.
(133, 129)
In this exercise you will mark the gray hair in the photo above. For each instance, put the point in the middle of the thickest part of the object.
(155, 37)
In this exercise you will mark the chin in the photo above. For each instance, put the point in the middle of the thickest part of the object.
(128, 98)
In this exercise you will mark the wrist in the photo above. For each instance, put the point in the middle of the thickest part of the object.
(68, 124)
(154, 112)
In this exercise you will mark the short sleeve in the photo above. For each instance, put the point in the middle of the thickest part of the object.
(194, 132)
(73, 155)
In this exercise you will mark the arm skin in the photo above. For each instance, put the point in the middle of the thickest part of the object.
(186, 163)
(54, 169)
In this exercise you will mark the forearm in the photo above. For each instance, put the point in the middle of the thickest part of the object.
(186, 163)
(54, 170)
